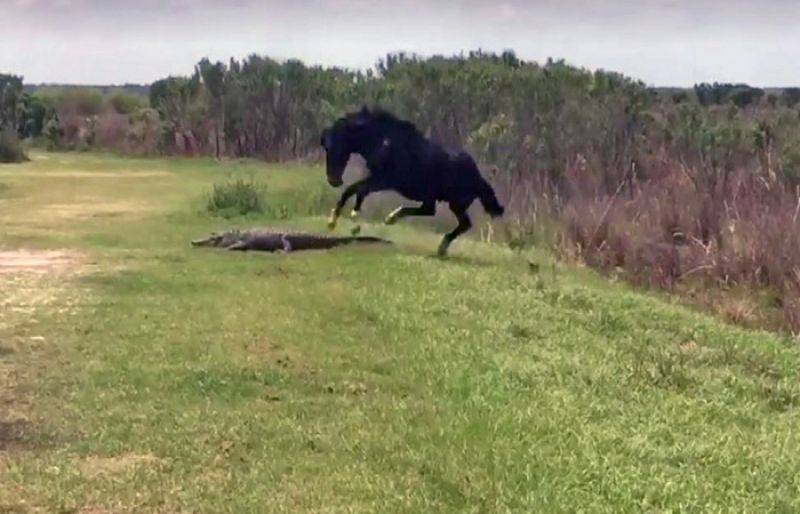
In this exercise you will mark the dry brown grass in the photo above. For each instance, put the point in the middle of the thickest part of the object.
(96, 466)
(679, 226)
(37, 261)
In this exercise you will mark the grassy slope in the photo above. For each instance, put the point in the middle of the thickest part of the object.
(369, 380)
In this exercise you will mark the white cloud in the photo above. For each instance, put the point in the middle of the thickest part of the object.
(660, 41)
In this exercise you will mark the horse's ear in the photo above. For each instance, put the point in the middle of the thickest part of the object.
(362, 117)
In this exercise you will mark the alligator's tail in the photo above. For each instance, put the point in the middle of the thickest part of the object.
(365, 239)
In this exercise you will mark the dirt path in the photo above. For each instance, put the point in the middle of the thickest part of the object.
(18, 262)
(31, 281)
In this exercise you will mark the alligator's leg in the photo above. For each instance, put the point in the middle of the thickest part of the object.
(346, 194)
(426, 209)
(238, 246)
(287, 245)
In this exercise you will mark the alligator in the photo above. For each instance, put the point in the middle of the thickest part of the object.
(274, 241)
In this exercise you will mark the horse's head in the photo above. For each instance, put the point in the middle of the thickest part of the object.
(342, 139)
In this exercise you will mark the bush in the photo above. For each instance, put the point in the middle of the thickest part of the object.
(81, 101)
(111, 131)
(10, 147)
(123, 103)
(144, 132)
(236, 198)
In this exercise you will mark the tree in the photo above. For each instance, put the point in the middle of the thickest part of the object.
(10, 96)
(213, 79)
(179, 102)
(790, 96)
(124, 103)
(744, 95)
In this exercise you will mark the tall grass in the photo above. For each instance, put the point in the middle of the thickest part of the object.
(679, 228)
(236, 198)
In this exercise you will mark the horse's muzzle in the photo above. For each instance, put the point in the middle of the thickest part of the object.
(335, 182)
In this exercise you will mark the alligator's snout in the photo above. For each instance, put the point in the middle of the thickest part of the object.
(212, 240)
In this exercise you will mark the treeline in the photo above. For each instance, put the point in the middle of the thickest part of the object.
(13, 107)
(138, 90)
(679, 191)
(257, 107)
(517, 115)
(79, 118)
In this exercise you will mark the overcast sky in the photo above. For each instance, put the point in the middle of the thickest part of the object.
(659, 41)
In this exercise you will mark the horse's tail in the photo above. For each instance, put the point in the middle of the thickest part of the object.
(489, 201)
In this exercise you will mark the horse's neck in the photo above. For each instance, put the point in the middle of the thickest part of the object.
(376, 149)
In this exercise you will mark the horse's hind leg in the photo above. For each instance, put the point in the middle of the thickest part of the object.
(426, 209)
(464, 224)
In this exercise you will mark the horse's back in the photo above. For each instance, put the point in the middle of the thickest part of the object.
(423, 170)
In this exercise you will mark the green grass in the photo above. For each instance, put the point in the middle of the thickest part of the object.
(172, 379)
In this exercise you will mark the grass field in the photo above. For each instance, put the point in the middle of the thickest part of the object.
(140, 375)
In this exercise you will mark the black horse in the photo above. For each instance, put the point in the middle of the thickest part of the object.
(401, 159)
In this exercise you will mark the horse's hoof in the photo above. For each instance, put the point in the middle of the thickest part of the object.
(332, 219)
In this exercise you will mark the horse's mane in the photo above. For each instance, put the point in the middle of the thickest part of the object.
(390, 121)
(383, 116)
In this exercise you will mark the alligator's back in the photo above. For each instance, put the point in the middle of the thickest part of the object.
(302, 241)
(261, 241)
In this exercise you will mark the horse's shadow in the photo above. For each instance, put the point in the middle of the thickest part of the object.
(458, 259)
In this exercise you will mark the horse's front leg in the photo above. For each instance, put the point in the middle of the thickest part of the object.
(361, 188)
(356, 212)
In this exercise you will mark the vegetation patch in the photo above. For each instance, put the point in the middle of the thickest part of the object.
(175, 380)
(11, 150)
(236, 198)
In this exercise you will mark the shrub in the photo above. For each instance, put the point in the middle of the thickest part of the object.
(144, 132)
(53, 132)
(123, 103)
(236, 198)
(679, 228)
(10, 147)
(81, 101)
(111, 131)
